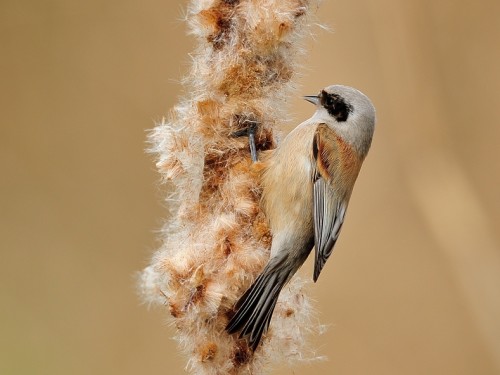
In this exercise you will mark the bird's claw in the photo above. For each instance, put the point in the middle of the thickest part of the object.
(250, 132)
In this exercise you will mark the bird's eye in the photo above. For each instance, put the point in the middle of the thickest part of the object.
(329, 101)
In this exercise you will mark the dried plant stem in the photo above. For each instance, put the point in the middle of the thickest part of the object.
(218, 239)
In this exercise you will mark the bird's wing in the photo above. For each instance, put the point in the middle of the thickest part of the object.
(335, 168)
(328, 219)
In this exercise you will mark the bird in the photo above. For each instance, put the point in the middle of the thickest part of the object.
(307, 182)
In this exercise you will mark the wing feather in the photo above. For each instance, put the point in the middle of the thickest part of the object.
(330, 194)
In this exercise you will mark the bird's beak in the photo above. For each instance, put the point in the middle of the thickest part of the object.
(312, 99)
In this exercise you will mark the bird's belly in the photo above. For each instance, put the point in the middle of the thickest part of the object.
(288, 202)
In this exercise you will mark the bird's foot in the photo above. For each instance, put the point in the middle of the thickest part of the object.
(250, 132)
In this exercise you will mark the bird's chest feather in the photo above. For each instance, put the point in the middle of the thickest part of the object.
(287, 180)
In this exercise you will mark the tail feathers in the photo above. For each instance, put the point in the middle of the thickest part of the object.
(256, 306)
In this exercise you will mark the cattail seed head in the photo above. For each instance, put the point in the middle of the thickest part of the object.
(217, 240)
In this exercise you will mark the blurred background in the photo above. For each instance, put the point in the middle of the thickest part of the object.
(414, 285)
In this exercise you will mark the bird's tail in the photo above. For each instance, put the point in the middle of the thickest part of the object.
(256, 306)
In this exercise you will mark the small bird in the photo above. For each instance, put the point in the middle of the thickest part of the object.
(307, 182)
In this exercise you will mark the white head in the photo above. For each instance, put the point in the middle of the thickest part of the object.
(348, 112)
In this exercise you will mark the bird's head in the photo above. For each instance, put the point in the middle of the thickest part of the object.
(348, 112)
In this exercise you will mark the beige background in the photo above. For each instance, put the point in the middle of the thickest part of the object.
(414, 285)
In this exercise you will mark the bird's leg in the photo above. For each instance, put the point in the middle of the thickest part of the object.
(250, 132)
(251, 141)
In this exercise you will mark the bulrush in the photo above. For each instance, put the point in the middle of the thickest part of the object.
(217, 240)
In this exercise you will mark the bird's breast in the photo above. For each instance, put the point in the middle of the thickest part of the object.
(287, 183)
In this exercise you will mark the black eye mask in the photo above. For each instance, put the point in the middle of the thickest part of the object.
(335, 105)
